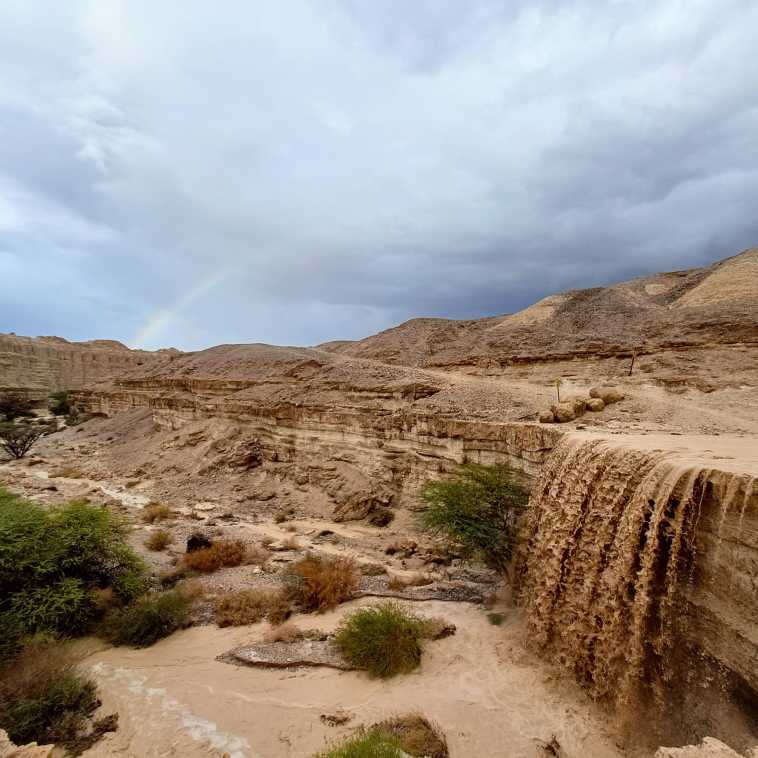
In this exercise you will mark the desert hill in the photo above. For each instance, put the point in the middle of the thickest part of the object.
(697, 307)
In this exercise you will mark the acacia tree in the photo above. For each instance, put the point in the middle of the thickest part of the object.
(478, 510)
(18, 439)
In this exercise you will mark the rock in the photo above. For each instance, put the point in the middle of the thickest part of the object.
(289, 655)
(595, 404)
(546, 417)
(338, 718)
(402, 548)
(563, 412)
(197, 541)
(381, 516)
(607, 394)
(247, 454)
(708, 748)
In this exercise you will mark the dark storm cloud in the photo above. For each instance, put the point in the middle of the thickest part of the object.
(187, 174)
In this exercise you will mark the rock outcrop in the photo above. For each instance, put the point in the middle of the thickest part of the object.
(40, 365)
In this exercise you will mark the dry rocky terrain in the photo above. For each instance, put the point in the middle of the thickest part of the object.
(313, 450)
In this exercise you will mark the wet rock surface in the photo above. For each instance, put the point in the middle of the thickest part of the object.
(289, 655)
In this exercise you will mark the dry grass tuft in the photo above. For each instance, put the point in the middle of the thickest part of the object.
(251, 606)
(317, 583)
(291, 543)
(68, 472)
(221, 554)
(153, 512)
(287, 632)
(256, 555)
(158, 540)
(417, 735)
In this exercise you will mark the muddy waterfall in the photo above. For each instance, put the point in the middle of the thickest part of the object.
(610, 560)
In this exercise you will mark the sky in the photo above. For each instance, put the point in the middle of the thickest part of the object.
(186, 173)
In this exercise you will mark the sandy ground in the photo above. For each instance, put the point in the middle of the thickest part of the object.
(489, 696)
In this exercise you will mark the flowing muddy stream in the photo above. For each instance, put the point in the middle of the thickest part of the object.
(488, 695)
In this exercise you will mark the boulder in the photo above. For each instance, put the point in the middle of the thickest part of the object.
(580, 405)
(607, 394)
(546, 417)
(197, 541)
(595, 404)
(563, 412)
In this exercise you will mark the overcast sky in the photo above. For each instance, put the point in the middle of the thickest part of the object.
(186, 173)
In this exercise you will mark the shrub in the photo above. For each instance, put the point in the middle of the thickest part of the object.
(372, 743)
(222, 553)
(59, 404)
(14, 405)
(43, 698)
(153, 512)
(398, 736)
(158, 540)
(286, 632)
(147, 620)
(479, 510)
(53, 561)
(416, 735)
(317, 583)
(252, 606)
(496, 619)
(384, 639)
(18, 439)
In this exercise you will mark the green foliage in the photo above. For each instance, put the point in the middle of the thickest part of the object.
(478, 510)
(147, 620)
(371, 743)
(43, 698)
(383, 639)
(52, 560)
(59, 404)
(496, 619)
(14, 405)
(410, 735)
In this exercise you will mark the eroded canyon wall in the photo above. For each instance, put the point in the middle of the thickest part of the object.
(40, 365)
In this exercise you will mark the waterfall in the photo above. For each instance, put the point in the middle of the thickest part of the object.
(609, 543)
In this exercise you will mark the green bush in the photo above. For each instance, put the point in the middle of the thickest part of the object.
(54, 560)
(59, 404)
(479, 510)
(397, 736)
(43, 698)
(17, 439)
(371, 743)
(383, 639)
(147, 620)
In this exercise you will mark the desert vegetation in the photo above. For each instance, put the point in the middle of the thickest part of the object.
(155, 512)
(478, 510)
(18, 438)
(318, 583)
(383, 639)
(59, 403)
(147, 620)
(53, 561)
(399, 736)
(44, 699)
(14, 405)
(251, 606)
(220, 554)
(158, 540)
